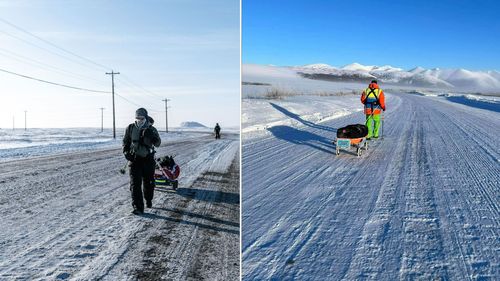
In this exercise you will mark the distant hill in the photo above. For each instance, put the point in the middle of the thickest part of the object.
(460, 79)
(192, 124)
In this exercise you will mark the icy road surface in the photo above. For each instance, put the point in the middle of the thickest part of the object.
(67, 217)
(422, 204)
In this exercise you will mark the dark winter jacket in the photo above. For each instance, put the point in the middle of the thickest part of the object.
(217, 128)
(140, 141)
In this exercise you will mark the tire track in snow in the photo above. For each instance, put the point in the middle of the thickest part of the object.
(171, 238)
(64, 228)
(348, 188)
(470, 197)
(376, 253)
(439, 218)
(423, 256)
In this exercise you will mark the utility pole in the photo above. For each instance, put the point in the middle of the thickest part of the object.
(25, 127)
(113, 94)
(102, 119)
(166, 113)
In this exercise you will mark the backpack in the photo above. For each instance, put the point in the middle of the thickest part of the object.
(372, 92)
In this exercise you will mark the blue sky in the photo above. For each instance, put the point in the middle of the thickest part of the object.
(446, 34)
(186, 50)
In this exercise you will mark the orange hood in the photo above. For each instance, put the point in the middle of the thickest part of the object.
(373, 86)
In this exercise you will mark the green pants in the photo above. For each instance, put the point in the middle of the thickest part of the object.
(373, 128)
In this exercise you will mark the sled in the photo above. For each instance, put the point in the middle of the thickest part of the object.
(347, 144)
(351, 136)
(167, 172)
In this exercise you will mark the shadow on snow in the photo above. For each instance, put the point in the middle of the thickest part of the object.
(298, 118)
(175, 219)
(300, 137)
(195, 215)
(209, 195)
(492, 106)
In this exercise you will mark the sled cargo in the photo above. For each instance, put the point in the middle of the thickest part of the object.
(167, 172)
(351, 136)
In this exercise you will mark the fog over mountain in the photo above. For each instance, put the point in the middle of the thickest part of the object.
(458, 79)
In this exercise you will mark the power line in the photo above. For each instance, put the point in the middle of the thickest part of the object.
(140, 87)
(53, 83)
(54, 45)
(127, 79)
(127, 100)
(47, 50)
(68, 58)
(134, 88)
(148, 102)
(42, 65)
(136, 104)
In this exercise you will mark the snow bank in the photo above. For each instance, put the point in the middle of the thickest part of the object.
(287, 80)
(259, 115)
(15, 144)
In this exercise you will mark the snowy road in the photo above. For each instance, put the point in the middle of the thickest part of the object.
(423, 204)
(68, 217)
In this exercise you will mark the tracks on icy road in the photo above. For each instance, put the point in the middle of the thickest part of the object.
(68, 216)
(421, 204)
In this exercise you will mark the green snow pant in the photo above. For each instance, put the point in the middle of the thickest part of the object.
(373, 128)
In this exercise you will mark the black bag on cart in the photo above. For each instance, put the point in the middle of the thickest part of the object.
(352, 131)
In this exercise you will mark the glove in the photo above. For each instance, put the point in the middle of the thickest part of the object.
(383, 108)
(148, 133)
(129, 156)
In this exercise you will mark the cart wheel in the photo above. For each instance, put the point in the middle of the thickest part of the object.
(358, 151)
(337, 152)
(366, 145)
(175, 184)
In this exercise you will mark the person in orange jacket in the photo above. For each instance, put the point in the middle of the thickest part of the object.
(374, 100)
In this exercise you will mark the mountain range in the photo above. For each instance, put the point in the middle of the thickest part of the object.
(457, 79)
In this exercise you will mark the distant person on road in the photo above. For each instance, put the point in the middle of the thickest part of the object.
(374, 100)
(217, 131)
(138, 148)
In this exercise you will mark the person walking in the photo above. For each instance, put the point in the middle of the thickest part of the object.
(217, 131)
(138, 148)
(374, 100)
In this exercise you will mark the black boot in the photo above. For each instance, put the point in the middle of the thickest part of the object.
(149, 203)
(137, 212)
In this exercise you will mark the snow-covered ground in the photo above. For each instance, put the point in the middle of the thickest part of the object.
(287, 80)
(67, 215)
(259, 114)
(311, 100)
(421, 204)
(16, 144)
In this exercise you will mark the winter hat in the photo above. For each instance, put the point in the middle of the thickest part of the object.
(141, 112)
(374, 82)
